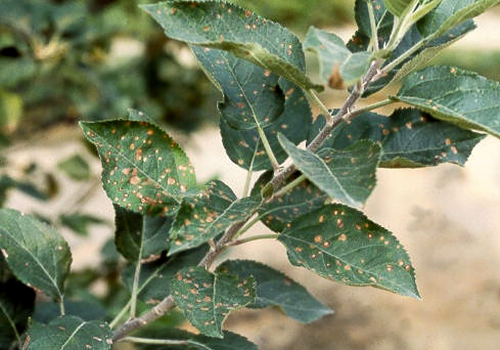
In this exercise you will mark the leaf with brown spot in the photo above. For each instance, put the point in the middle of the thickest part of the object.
(353, 250)
(409, 138)
(302, 199)
(206, 299)
(151, 181)
(276, 289)
(228, 27)
(348, 175)
(204, 216)
(70, 333)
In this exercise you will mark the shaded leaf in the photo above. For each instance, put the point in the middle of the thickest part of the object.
(348, 175)
(144, 170)
(136, 233)
(335, 57)
(409, 138)
(16, 305)
(456, 96)
(231, 341)
(70, 333)
(206, 215)
(76, 167)
(276, 289)
(451, 13)
(36, 253)
(206, 299)
(252, 96)
(80, 223)
(300, 200)
(341, 244)
(87, 311)
(245, 148)
(231, 28)
(155, 278)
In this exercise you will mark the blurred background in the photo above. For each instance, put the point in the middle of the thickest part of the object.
(62, 61)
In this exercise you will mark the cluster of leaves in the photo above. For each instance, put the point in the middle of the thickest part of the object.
(171, 229)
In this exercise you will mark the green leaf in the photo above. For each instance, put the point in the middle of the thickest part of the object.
(36, 253)
(134, 230)
(300, 200)
(362, 39)
(222, 25)
(456, 96)
(231, 341)
(348, 176)
(70, 333)
(205, 216)
(409, 138)
(155, 278)
(206, 299)
(336, 59)
(245, 148)
(76, 167)
(451, 13)
(144, 170)
(80, 223)
(11, 111)
(17, 302)
(87, 311)
(397, 7)
(252, 97)
(276, 289)
(341, 244)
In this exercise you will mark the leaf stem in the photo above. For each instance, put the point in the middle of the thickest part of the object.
(289, 187)
(267, 146)
(253, 238)
(392, 65)
(137, 276)
(248, 226)
(156, 341)
(372, 106)
(312, 95)
(120, 315)
(61, 306)
(373, 25)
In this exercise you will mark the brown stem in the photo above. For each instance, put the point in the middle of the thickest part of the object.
(168, 303)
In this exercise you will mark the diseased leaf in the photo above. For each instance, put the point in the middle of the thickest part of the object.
(245, 148)
(222, 25)
(79, 223)
(451, 13)
(252, 96)
(300, 200)
(70, 333)
(87, 311)
(276, 289)
(231, 341)
(155, 278)
(348, 175)
(454, 95)
(417, 60)
(144, 170)
(409, 138)
(17, 302)
(141, 237)
(36, 253)
(206, 299)
(341, 244)
(336, 59)
(76, 167)
(206, 215)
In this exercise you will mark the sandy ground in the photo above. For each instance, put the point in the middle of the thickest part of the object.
(447, 217)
